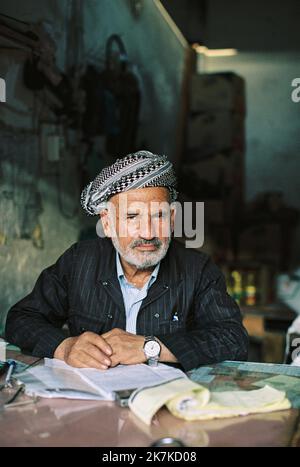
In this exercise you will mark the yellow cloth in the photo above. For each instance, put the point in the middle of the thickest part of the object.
(144, 403)
(191, 401)
(189, 405)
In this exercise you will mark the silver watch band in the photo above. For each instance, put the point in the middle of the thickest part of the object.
(152, 361)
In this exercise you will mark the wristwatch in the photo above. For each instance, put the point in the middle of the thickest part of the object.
(152, 350)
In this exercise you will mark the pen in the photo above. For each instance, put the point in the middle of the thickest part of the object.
(12, 366)
(175, 316)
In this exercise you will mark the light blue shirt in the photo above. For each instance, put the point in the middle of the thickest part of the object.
(133, 296)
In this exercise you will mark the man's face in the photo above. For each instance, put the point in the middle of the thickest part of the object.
(140, 223)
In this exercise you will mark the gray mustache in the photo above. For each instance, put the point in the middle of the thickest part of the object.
(156, 242)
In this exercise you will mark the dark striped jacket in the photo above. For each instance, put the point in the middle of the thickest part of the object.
(82, 289)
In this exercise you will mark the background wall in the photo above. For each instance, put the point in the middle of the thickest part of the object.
(157, 48)
(158, 53)
(272, 123)
(266, 35)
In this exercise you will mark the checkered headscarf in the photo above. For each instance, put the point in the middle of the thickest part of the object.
(138, 170)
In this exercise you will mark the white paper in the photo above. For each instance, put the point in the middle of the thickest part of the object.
(55, 382)
(57, 379)
(2, 350)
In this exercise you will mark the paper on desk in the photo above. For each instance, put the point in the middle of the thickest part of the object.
(201, 374)
(144, 403)
(227, 367)
(289, 384)
(51, 383)
(228, 404)
(280, 382)
(2, 349)
(57, 379)
(191, 401)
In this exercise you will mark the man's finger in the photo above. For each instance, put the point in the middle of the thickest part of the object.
(113, 332)
(81, 359)
(106, 335)
(98, 341)
(115, 360)
(96, 353)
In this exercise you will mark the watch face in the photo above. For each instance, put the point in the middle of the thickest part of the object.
(152, 349)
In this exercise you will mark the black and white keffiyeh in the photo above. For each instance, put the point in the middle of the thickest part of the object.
(137, 170)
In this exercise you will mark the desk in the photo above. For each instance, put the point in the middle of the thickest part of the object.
(62, 422)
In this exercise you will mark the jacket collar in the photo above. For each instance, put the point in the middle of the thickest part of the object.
(169, 274)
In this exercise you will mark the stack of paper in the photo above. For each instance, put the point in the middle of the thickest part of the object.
(190, 401)
(57, 379)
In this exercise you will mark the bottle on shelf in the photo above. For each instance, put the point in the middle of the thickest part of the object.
(250, 289)
(237, 290)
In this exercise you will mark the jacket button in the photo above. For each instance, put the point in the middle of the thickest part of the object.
(104, 283)
(156, 315)
(166, 286)
(110, 316)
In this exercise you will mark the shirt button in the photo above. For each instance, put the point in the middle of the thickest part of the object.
(156, 315)
(82, 329)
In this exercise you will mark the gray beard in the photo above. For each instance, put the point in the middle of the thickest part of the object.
(147, 259)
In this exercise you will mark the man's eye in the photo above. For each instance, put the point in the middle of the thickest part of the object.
(131, 216)
(159, 215)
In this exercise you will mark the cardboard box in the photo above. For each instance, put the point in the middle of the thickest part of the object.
(218, 177)
(217, 92)
(214, 132)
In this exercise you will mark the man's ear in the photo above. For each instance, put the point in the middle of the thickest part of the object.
(105, 222)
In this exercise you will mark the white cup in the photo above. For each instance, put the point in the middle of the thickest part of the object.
(2, 350)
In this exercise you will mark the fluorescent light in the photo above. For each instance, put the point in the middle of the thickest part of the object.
(201, 49)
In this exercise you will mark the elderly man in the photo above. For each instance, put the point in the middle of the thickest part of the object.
(134, 296)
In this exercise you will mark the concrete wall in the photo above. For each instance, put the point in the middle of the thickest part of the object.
(156, 48)
(266, 35)
(272, 123)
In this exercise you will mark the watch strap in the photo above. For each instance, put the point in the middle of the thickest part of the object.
(152, 361)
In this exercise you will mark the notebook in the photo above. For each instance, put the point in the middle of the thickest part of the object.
(57, 379)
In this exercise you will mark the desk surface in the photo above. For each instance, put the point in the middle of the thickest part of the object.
(62, 422)
(274, 312)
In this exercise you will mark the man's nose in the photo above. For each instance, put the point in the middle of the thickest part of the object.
(147, 229)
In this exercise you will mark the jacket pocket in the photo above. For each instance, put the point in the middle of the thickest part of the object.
(170, 327)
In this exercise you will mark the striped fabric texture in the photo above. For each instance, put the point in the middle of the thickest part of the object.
(133, 296)
(187, 307)
(138, 170)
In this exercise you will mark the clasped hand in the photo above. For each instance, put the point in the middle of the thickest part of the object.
(89, 350)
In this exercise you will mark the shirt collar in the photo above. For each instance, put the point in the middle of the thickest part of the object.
(121, 274)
